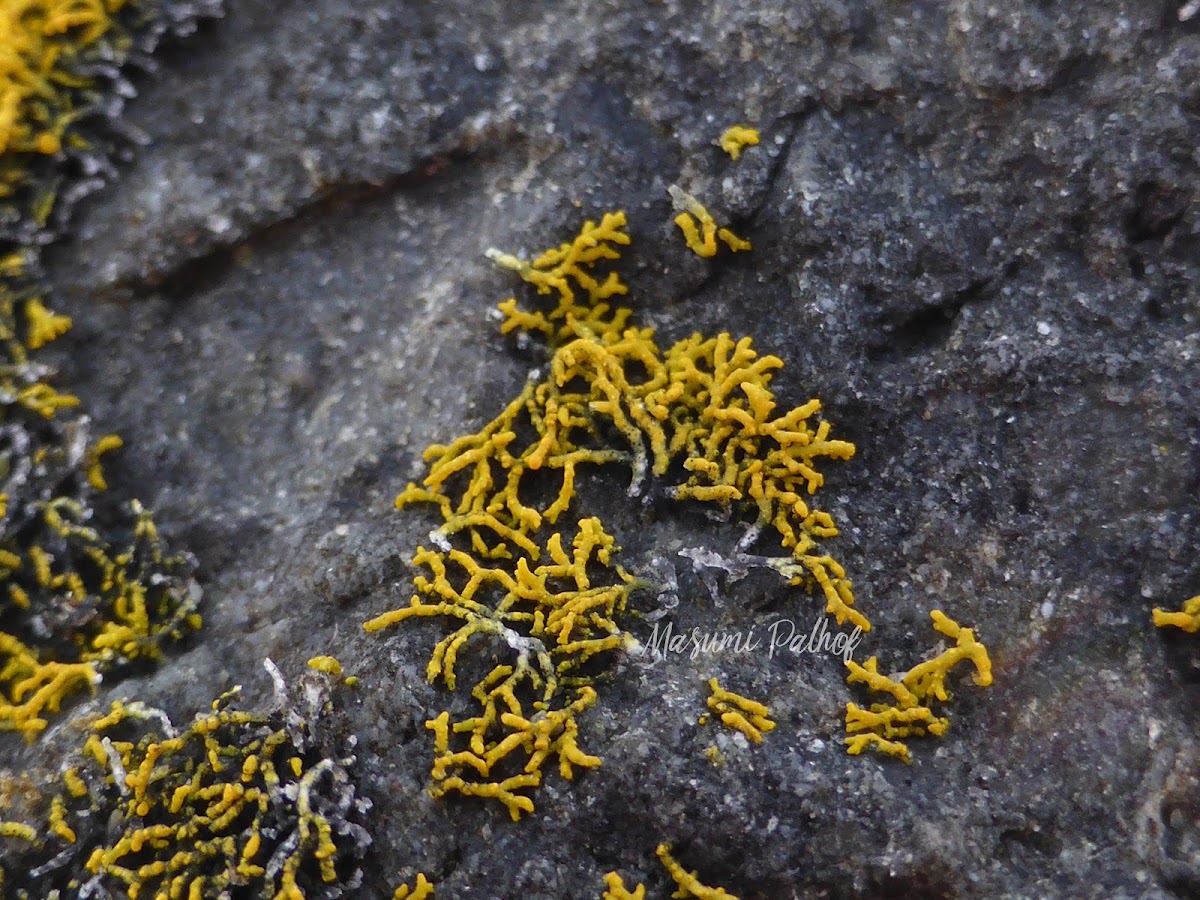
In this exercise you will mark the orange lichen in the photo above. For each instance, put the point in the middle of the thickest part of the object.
(910, 713)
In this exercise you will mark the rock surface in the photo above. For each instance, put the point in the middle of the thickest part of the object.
(976, 239)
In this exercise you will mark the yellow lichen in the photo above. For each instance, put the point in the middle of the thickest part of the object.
(735, 138)
(614, 889)
(705, 402)
(18, 830)
(135, 615)
(106, 605)
(236, 799)
(44, 326)
(552, 634)
(37, 38)
(688, 882)
(326, 664)
(1187, 618)
(500, 568)
(47, 50)
(421, 890)
(909, 714)
(29, 689)
(95, 472)
(702, 238)
(564, 271)
(45, 400)
(742, 714)
(58, 823)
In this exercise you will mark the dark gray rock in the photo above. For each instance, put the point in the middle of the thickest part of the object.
(976, 239)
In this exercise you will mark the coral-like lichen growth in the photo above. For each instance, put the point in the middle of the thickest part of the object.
(421, 890)
(563, 272)
(688, 884)
(740, 713)
(704, 405)
(701, 412)
(1187, 618)
(60, 77)
(614, 889)
(909, 714)
(553, 619)
(74, 603)
(736, 138)
(236, 804)
(31, 690)
(701, 238)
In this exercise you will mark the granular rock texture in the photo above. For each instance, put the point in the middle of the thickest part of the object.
(976, 239)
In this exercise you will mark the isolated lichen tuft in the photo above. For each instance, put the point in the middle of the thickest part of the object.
(688, 883)
(910, 713)
(238, 803)
(421, 890)
(700, 230)
(614, 889)
(736, 138)
(749, 717)
(75, 604)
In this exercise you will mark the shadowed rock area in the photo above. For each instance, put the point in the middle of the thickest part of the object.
(976, 239)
